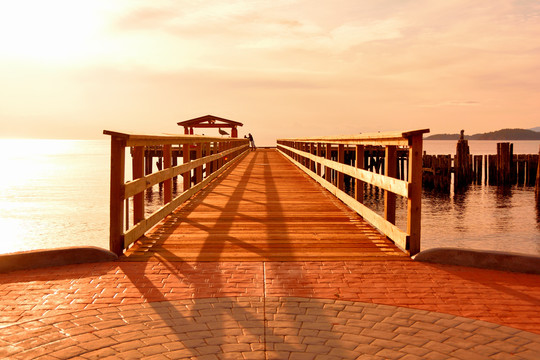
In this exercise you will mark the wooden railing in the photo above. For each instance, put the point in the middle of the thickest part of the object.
(315, 154)
(214, 153)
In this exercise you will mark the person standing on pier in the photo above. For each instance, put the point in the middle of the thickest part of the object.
(251, 142)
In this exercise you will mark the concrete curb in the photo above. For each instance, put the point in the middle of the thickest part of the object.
(494, 260)
(34, 259)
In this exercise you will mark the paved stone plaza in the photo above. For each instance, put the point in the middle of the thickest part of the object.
(269, 310)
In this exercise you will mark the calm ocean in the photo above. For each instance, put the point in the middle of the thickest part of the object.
(54, 193)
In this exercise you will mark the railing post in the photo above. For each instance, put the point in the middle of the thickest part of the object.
(138, 172)
(198, 169)
(210, 165)
(186, 158)
(302, 157)
(204, 152)
(414, 203)
(341, 160)
(327, 170)
(390, 197)
(305, 160)
(226, 146)
(311, 152)
(220, 150)
(118, 159)
(175, 162)
(167, 184)
(319, 152)
(148, 161)
(359, 184)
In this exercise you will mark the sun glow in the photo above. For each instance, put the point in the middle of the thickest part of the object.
(49, 31)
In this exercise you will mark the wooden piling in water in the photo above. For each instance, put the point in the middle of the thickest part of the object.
(532, 166)
(501, 169)
(462, 164)
(477, 169)
(504, 163)
(537, 189)
(437, 172)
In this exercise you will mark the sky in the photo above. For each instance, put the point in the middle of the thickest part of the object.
(284, 68)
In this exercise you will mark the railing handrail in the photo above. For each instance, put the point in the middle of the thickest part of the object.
(223, 153)
(308, 157)
(132, 139)
(399, 138)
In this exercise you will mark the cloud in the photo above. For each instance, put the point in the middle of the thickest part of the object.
(454, 103)
(358, 62)
(144, 18)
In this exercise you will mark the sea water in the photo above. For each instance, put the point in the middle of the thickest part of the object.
(55, 193)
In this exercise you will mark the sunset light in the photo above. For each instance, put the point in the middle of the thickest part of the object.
(270, 179)
(56, 31)
(81, 66)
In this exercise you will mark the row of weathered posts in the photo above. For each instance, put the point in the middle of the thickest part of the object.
(203, 159)
(324, 160)
(502, 169)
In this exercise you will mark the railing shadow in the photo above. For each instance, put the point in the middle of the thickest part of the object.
(272, 208)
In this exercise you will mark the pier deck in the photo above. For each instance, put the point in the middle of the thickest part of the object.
(264, 209)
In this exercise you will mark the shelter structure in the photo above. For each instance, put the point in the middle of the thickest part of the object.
(211, 121)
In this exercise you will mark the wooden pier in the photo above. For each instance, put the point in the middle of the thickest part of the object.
(243, 205)
(262, 209)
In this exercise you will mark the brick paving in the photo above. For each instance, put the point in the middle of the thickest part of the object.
(269, 310)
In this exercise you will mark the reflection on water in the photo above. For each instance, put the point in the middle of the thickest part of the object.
(484, 218)
(479, 217)
(54, 194)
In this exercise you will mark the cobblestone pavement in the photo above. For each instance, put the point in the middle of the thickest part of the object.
(272, 310)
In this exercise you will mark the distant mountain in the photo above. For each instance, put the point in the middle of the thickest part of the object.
(537, 129)
(444, 137)
(504, 134)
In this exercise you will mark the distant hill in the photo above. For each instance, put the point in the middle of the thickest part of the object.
(504, 134)
(537, 129)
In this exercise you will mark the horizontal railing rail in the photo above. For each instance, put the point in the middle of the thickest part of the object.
(203, 157)
(313, 155)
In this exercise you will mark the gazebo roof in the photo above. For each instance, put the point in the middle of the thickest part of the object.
(210, 121)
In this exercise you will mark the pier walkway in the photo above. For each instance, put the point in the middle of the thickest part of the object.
(255, 267)
(263, 209)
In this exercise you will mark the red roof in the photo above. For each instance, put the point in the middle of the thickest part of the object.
(210, 121)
